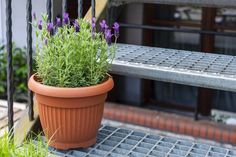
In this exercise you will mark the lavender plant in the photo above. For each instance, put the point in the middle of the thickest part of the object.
(73, 54)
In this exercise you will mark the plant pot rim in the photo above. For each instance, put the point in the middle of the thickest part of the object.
(66, 92)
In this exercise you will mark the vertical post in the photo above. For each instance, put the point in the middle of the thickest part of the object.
(9, 65)
(205, 96)
(93, 8)
(64, 6)
(49, 10)
(29, 55)
(80, 8)
(147, 85)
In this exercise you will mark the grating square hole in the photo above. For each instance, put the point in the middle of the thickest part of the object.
(153, 137)
(85, 150)
(123, 131)
(102, 136)
(145, 145)
(146, 140)
(185, 143)
(201, 146)
(120, 151)
(199, 151)
(98, 152)
(195, 155)
(218, 150)
(165, 144)
(213, 154)
(135, 154)
(232, 152)
(92, 155)
(168, 139)
(99, 140)
(104, 147)
(140, 134)
(174, 155)
(178, 152)
(125, 146)
(110, 143)
(105, 132)
(157, 153)
(109, 128)
(78, 153)
(119, 135)
(182, 147)
(114, 138)
(114, 155)
(162, 149)
(130, 142)
(141, 150)
(137, 138)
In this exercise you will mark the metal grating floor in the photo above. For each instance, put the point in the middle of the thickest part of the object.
(118, 142)
(177, 66)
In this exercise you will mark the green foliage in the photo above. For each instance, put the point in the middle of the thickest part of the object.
(72, 59)
(29, 148)
(19, 73)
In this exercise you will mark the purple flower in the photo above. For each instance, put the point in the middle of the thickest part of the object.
(93, 27)
(45, 41)
(76, 26)
(94, 20)
(116, 27)
(103, 25)
(58, 21)
(34, 16)
(50, 28)
(40, 25)
(66, 18)
(108, 36)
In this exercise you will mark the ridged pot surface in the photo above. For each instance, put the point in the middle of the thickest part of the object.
(71, 120)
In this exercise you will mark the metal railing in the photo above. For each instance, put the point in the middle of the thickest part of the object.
(29, 52)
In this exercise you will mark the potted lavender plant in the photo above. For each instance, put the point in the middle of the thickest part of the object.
(72, 82)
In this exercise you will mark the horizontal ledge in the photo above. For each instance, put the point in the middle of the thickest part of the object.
(198, 3)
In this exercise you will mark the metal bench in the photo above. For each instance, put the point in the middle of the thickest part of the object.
(198, 69)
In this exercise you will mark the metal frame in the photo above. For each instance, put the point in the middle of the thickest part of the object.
(9, 65)
(177, 66)
(29, 55)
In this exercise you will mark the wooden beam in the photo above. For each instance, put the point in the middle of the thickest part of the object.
(100, 7)
(24, 126)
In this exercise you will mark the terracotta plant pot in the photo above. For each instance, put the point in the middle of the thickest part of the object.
(70, 117)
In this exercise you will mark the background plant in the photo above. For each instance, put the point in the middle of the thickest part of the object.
(72, 55)
(29, 147)
(19, 73)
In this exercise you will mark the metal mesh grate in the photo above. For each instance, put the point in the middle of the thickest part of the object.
(179, 59)
(177, 66)
(118, 142)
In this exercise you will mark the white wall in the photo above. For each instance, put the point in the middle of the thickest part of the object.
(19, 19)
